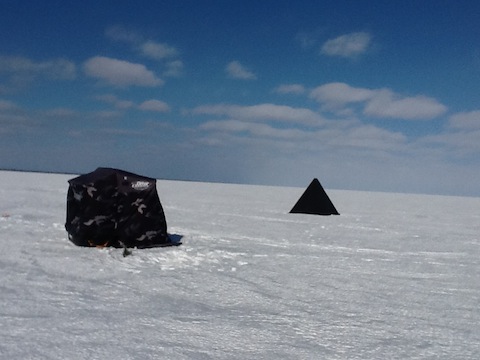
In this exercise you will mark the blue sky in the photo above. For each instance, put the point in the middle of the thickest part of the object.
(365, 95)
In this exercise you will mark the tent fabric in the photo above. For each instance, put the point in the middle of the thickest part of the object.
(314, 201)
(112, 207)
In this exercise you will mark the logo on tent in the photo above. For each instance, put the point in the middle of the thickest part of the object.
(140, 185)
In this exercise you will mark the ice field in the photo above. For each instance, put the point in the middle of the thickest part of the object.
(395, 276)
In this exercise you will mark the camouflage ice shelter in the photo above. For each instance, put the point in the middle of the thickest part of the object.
(111, 207)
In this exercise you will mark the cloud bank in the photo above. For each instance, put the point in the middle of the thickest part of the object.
(235, 70)
(120, 73)
(348, 45)
(378, 103)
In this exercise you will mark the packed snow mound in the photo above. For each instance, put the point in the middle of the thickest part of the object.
(394, 277)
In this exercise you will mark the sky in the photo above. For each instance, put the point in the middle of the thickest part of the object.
(371, 95)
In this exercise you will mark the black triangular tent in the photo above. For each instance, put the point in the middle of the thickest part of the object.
(314, 201)
(111, 207)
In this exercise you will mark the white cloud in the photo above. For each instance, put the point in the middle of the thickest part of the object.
(380, 103)
(17, 122)
(54, 69)
(120, 33)
(256, 129)
(120, 73)
(19, 72)
(386, 104)
(58, 69)
(296, 89)
(12, 117)
(263, 112)
(157, 51)
(466, 120)
(460, 143)
(353, 139)
(147, 48)
(15, 119)
(337, 94)
(462, 138)
(115, 101)
(371, 137)
(60, 113)
(7, 105)
(148, 105)
(107, 114)
(154, 105)
(174, 68)
(236, 70)
(307, 39)
(349, 45)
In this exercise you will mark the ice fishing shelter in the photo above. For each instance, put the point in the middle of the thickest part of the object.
(314, 201)
(111, 207)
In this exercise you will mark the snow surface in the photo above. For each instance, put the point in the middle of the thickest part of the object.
(394, 276)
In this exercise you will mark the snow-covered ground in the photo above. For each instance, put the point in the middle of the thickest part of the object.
(394, 276)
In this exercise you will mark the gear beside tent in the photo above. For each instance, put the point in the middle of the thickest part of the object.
(314, 201)
(111, 207)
